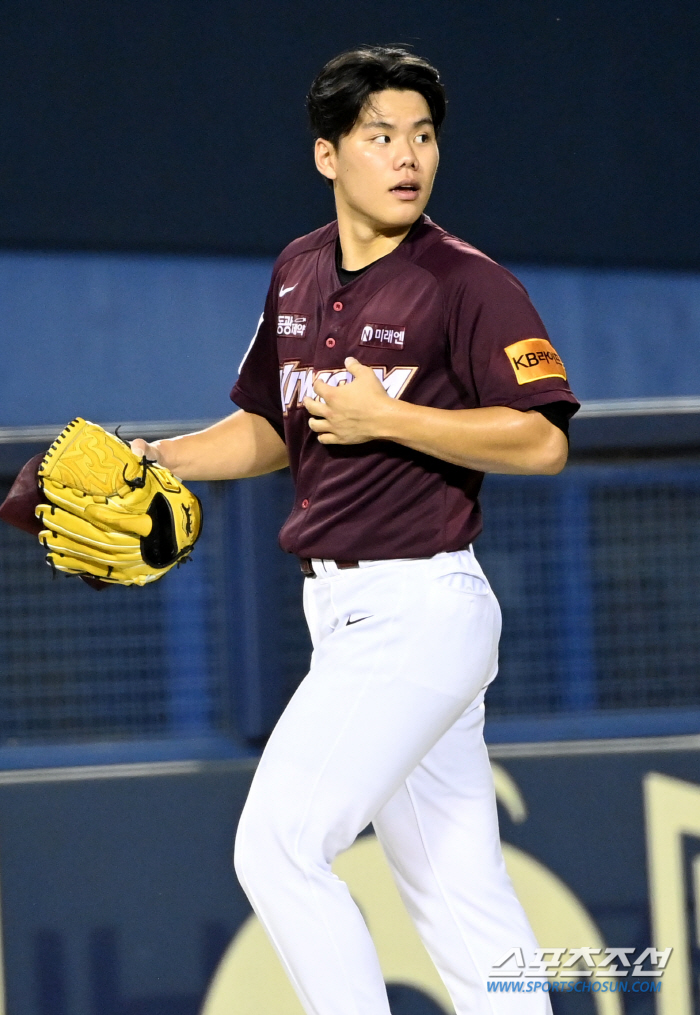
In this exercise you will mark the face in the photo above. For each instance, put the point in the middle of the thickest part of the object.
(383, 170)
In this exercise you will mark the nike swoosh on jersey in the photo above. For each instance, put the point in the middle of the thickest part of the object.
(283, 291)
(357, 621)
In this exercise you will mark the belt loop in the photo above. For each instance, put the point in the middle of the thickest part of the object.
(307, 567)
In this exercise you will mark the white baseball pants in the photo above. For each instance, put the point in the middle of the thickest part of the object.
(387, 727)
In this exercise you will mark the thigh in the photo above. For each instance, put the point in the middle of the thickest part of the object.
(379, 695)
(443, 818)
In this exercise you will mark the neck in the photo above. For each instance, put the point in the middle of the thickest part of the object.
(364, 242)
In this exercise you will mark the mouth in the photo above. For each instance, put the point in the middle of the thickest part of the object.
(406, 191)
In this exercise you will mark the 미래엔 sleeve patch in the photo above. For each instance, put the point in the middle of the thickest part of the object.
(533, 359)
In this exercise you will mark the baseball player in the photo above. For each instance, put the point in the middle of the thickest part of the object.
(393, 366)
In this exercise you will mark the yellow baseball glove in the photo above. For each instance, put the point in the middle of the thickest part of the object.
(112, 515)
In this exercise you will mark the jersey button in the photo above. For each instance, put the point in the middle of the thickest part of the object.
(338, 305)
(305, 503)
(330, 342)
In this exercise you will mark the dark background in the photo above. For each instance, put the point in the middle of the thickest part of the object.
(572, 134)
(127, 906)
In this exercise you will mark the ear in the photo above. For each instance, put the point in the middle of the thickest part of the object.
(325, 157)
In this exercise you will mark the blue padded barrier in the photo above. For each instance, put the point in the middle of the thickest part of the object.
(597, 572)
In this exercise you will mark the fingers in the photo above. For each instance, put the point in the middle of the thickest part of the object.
(326, 391)
(322, 389)
(58, 523)
(314, 407)
(355, 367)
(336, 415)
(319, 425)
(141, 447)
(124, 529)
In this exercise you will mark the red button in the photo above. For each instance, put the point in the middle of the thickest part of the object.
(305, 503)
(330, 342)
(338, 305)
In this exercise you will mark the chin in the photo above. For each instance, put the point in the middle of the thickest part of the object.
(400, 218)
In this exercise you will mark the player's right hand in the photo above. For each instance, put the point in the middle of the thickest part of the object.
(141, 447)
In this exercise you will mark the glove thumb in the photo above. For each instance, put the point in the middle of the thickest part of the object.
(107, 518)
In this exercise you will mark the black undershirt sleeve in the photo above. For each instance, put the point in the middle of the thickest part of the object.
(558, 413)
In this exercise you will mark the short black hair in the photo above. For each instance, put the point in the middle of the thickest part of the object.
(340, 91)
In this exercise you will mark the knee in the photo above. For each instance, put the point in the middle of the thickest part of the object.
(278, 838)
(264, 845)
(248, 858)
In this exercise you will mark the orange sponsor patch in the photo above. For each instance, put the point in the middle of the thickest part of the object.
(534, 358)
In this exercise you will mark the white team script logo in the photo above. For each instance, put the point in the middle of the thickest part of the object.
(288, 289)
(296, 382)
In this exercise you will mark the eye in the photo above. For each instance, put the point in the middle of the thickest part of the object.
(423, 138)
(382, 139)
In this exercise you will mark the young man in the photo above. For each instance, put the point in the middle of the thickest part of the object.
(393, 366)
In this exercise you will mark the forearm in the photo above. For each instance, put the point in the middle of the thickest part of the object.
(237, 447)
(493, 439)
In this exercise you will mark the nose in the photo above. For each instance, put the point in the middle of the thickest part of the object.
(406, 157)
(409, 161)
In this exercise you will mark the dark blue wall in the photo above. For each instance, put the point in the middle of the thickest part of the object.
(119, 896)
(115, 337)
(571, 136)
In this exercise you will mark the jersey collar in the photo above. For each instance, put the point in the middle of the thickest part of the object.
(379, 272)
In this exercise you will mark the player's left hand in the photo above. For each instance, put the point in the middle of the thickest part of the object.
(350, 412)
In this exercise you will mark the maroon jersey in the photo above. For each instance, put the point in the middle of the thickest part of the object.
(440, 324)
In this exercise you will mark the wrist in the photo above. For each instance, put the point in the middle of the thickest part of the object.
(165, 454)
(390, 422)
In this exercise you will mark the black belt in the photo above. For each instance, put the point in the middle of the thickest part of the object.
(342, 565)
(308, 568)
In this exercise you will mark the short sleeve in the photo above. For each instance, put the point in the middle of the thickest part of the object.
(257, 389)
(499, 345)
